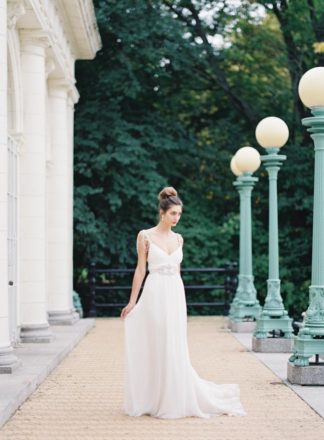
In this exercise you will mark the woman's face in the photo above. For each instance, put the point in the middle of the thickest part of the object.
(172, 215)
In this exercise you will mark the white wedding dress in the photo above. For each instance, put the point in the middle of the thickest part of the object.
(159, 379)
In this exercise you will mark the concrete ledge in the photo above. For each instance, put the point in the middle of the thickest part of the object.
(242, 327)
(38, 360)
(272, 345)
(309, 375)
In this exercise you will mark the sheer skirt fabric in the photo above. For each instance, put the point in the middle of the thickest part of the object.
(159, 379)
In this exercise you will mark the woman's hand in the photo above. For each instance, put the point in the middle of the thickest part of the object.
(127, 309)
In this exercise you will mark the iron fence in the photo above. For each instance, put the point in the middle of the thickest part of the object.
(109, 289)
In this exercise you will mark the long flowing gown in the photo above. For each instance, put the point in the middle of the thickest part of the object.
(159, 379)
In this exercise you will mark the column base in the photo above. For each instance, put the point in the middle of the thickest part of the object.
(309, 375)
(68, 317)
(36, 333)
(272, 345)
(8, 361)
(241, 326)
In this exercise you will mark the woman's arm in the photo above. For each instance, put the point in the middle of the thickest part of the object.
(140, 271)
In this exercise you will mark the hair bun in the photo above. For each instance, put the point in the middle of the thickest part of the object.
(166, 192)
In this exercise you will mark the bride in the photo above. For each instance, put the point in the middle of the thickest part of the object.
(159, 379)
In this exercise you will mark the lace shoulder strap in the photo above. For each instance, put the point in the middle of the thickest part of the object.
(143, 238)
(180, 239)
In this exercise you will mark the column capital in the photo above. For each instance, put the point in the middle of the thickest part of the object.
(74, 95)
(50, 66)
(58, 87)
(15, 10)
(62, 87)
(35, 37)
(71, 101)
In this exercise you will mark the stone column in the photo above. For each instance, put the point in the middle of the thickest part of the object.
(60, 208)
(32, 224)
(73, 98)
(8, 361)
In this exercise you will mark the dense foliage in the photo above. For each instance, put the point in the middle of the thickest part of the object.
(177, 88)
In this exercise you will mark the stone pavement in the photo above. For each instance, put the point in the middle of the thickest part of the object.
(82, 398)
(37, 361)
(277, 362)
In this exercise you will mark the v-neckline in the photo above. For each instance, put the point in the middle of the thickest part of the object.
(167, 253)
(163, 250)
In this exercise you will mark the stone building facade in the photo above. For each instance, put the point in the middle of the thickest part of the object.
(40, 40)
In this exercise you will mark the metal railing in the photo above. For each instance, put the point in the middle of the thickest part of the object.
(106, 292)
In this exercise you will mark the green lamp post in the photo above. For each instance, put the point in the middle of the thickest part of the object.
(310, 340)
(245, 307)
(272, 133)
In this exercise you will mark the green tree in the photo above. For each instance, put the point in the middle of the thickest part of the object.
(177, 88)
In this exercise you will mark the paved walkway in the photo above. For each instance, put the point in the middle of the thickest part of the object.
(38, 359)
(82, 398)
(277, 362)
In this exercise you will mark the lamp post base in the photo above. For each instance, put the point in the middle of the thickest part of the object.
(244, 312)
(309, 375)
(272, 345)
(267, 324)
(242, 326)
(305, 346)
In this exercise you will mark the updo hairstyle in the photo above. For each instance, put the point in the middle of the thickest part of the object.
(168, 197)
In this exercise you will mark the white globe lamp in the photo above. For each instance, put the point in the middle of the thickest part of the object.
(247, 159)
(311, 88)
(272, 133)
(234, 168)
